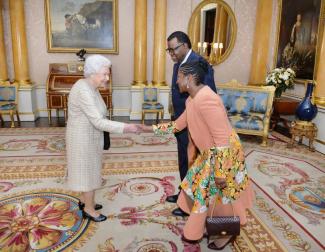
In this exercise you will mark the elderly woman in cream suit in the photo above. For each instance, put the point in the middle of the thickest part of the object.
(84, 134)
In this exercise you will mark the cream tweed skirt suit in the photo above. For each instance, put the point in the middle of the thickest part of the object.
(84, 136)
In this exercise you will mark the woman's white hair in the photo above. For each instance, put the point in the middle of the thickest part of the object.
(94, 63)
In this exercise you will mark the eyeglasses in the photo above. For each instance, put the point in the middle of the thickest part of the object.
(172, 50)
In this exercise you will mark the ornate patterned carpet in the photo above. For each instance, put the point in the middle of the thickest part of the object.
(38, 213)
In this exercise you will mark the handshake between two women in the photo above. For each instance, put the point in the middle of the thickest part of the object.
(137, 128)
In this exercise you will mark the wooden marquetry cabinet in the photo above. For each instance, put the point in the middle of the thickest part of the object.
(283, 106)
(59, 82)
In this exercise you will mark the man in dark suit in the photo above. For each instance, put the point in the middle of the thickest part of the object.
(179, 49)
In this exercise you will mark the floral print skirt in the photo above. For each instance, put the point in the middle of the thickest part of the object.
(226, 162)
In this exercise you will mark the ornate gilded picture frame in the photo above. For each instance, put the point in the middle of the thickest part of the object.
(75, 24)
(297, 36)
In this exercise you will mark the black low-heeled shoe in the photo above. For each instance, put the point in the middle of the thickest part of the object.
(82, 206)
(100, 218)
(172, 198)
(191, 241)
(179, 212)
(213, 246)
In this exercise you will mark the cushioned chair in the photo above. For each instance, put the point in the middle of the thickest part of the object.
(150, 103)
(8, 103)
(249, 108)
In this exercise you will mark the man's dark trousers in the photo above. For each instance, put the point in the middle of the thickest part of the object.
(182, 143)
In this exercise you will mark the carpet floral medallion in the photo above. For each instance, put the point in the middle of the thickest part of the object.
(39, 213)
(41, 221)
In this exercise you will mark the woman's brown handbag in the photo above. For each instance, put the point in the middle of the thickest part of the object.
(107, 140)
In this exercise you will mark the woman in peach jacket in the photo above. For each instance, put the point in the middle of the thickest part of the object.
(218, 146)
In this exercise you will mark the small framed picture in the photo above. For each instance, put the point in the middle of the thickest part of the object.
(72, 67)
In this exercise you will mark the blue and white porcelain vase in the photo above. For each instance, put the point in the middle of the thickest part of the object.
(306, 110)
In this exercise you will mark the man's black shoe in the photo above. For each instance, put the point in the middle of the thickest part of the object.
(172, 198)
(179, 212)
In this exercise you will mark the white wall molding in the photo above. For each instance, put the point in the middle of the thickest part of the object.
(137, 99)
(33, 102)
(27, 103)
(136, 102)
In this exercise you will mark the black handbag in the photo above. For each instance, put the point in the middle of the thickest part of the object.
(107, 141)
(221, 226)
(217, 226)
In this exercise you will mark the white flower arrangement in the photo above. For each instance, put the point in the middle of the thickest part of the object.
(281, 78)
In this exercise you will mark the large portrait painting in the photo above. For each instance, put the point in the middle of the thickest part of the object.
(298, 35)
(75, 24)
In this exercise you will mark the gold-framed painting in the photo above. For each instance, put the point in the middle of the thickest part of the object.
(75, 24)
(298, 36)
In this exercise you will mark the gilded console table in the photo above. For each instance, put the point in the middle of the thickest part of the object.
(303, 129)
